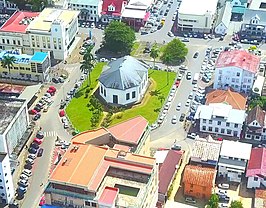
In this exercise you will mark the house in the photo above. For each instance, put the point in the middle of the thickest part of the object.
(51, 30)
(253, 26)
(196, 17)
(238, 9)
(233, 160)
(28, 68)
(220, 119)
(169, 162)
(124, 81)
(256, 169)
(260, 198)
(255, 124)
(236, 69)
(205, 152)
(90, 10)
(223, 20)
(236, 100)
(93, 176)
(137, 13)
(198, 181)
(132, 135)
(112, 10)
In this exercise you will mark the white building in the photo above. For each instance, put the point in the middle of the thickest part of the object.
(236, 69)
(52, 30)
(223, 20)
(233, 159)
(256, 169)
(196, 17)
(124, 81)
(6, 181)
(90, 10)
(221, 119)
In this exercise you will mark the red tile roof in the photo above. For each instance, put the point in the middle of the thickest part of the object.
(200, 176)
(167, 169)
(108, 196)
(118, 4)
(260, 198)
(129, 131)
(236, 100)
(240, 59)
(12, 24)
(257, 163)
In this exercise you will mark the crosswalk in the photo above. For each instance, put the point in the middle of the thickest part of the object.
(50, 134)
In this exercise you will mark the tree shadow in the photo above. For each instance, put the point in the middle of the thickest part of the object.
(155, 92)
(78, 94)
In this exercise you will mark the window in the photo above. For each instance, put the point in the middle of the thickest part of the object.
(87, 203)
(2, 194)
(233, 79)
(210, 128)
(236, 125)
(7, 41)
(127, 96)
(104, 93)
(204, 128)
(101, 89)
(219, 123)
(3, 41)
(204, 120)
(133, 94)
(210, 121)
(93, 204)
(229, 131)
(216, 129)
(18, 42)
(237, 74)
(256, 179)
(1, 187)
(227, 124)
(14, 42)
(222, 131)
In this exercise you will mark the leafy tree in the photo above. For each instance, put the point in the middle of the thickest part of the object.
(154, 53)
(260, 100)
(34, 5)
(174, 52)
(118, 37)
(8, 62)
(236, 204)
(88, 63)
(213, 201)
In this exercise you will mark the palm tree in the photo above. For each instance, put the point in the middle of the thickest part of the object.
(88, 62)
(167, 61)
(7, 62)
(154, 53)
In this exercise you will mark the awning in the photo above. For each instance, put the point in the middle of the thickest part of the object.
(234, 170)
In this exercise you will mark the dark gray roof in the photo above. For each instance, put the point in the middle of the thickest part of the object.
(123, 73)
(250, 13)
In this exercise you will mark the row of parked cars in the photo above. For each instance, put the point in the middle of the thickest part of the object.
(34, 151)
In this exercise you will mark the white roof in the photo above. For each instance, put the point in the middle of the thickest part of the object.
(236, 149)
(256, 4)
(236, 116)
(190, 7)
(160, 156)
(220, 109)
(225, 14)
(204, 112)
(258, 84)
(134, 13)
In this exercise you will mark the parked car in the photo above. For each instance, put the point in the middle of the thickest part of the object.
(176, 147)
(170, 34)
(37, 141)
(223, 205)
(174, 119)
(40, 135)
(32, 150)
(34, 145)
(42, 201)
(66, 125)
(188, 103)
(24, 177)
(178, 107)
(27, 172)
(188, 75)
(182, 117)
(223, 185)
(23, 183)
(40, 152)
(21, 190)
(191, 135)
(224, 199)
(190, 200)
(196, 55)
(64, 119)
(55, 80)
(177, 83)
(32, 156)
(30, 161)
(179, 77)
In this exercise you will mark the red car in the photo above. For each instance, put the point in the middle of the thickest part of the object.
(33, 112)
(177, 82)
(38, 141)
(42, 201)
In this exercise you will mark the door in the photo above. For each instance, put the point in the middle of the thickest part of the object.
(115, 99)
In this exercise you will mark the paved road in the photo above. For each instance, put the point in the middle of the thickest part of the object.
(52, 126)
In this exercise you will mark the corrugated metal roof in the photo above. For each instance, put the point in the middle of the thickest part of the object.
(123, 73)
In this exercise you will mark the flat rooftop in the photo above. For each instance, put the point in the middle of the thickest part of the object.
(44, 21)
(258, 5)
(18, 22)
(236, 149)
(37, 57)
(8, 109)
(190, 8)
(85, 166)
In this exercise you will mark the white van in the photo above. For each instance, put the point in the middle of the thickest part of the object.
(27, 172)
(196, 78)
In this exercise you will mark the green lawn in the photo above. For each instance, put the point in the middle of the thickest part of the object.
(77, 110)
(135, 48)
(150, 109)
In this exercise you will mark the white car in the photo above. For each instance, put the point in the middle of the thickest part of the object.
(160, 120)
(30, 161)
(24, 177)
(32, 156)
(190, 96)
(66, 125)
(64, 119)
(192, 135)
(195, 88)
(174, 119)
(188, 102)
(27, 172)
(167, 106)
(170, 34)
(178, 107)
(48, 95)
(82, 77)
(103, 60)
(23, 183)
(223, 185)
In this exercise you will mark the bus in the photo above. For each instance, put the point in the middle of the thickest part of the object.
(196, 78)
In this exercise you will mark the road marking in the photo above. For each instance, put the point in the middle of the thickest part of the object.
(50, 134)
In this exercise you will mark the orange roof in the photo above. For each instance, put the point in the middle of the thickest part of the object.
(122, 147)
(89, 135)
(236, 100)
(129, 131)
(87, 165)
(200, 176)
(108, 196)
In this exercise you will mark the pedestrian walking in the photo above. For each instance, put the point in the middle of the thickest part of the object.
(41, 184)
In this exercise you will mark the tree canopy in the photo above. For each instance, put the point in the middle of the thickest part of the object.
(34, 5)
(236, 204)
(118, 37)
(174, 52)
(213, 201)
(261, 101)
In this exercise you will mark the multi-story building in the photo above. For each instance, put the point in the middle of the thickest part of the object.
(112, 10)
(223, 21)
(233, 160)
(196, 17)
(256, 170)
(52, 30)
(132, 135)
(255, 124)
(220, 119)
(199, 181)
(236, 69)
(89, 10)
(7, 7)
(253, 27)
(238, 9)
(27, 67)
(6, 183)
(93, 176)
